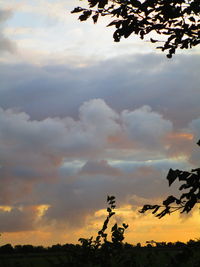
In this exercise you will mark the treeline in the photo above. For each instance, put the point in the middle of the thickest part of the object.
(8, 248)
(190, 244)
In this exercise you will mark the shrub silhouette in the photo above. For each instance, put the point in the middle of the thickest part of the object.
(101, 251)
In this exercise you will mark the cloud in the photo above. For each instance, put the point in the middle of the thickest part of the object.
(4, 15)
(123, 83)
(194, 129)
(71, 203)
(145, 126)
(6, 45)
(97, 113)
(17, 220)
(99, 167)
(34, 153)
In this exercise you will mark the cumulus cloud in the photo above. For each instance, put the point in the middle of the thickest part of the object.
(145, 126)
(33, 150)
(35, 153)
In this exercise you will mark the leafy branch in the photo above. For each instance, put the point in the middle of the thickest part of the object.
(186, 202)
(178, 20)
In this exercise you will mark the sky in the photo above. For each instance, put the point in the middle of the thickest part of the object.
(82, 117)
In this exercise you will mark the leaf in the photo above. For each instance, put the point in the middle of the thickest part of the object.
(172, 175)
(169, 200)
(169, 55)
(156, 209)
(147, 207)
(95, 18)
(153, 41)
(77, 9)
(184, 175)
(98, 238)
(93, 3)
(102, 3)
(125, 225)
(163, 213)
(135, 3)
(104, 235)
(114, 22)
(192, 19)
(114, 228)
(109, 210)
(110, 198)
(190, 204)
(86, 14)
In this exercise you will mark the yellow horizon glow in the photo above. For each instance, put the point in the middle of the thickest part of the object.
(142, 228)
(6, 208)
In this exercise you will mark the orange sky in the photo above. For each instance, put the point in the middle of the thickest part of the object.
(142, 228)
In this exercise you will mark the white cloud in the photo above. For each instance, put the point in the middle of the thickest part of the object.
(98, 116)
(145, 126)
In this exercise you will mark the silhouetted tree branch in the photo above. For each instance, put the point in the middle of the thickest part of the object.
(186, 202)
(178, 20)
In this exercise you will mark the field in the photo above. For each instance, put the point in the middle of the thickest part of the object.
(132, 256)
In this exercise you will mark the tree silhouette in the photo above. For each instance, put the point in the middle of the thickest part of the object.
(176, 20)
(184, 203)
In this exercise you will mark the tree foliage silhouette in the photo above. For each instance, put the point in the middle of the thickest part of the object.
(184, 203)
(177, 20)
(117, 233)
(102, 251)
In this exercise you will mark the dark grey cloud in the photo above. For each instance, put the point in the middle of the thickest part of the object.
(17, 220)
(100, 167)
(170, 87)
(86, 193)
